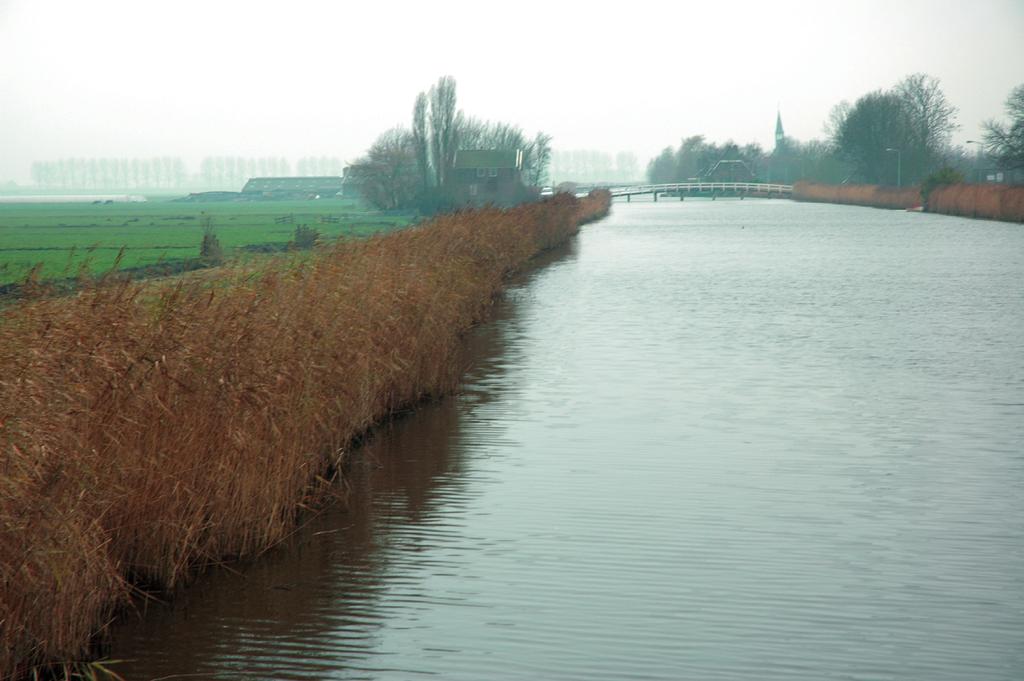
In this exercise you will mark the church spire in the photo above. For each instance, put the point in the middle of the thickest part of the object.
(780, 135)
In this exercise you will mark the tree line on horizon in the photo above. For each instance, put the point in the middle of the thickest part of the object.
(896, 136)
(109, 173)
(412, 167)
(412, 164)
(166, 172)
(696, 157)
(231, 172)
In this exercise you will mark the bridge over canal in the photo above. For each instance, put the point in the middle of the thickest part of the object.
(710, 190)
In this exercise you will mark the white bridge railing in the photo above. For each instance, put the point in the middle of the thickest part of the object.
(704, 188)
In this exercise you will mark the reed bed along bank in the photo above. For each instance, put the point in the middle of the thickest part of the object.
(146, 430)
(873, 195)
(992, 201)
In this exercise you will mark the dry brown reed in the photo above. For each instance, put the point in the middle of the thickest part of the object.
(992, 201)
(146, 430)
(873, 195)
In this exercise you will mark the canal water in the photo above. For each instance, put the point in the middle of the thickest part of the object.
(706, 440)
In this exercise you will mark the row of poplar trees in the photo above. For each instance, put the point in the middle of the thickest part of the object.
(412, 168)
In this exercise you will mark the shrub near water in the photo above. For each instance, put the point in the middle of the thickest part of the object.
(145, 430)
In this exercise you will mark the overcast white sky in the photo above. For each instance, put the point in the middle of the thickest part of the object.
(291, 78)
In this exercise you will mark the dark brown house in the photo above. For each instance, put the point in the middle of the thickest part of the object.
(483, 176)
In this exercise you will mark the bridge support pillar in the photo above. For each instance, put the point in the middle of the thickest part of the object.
(629, 198)
(680, 196)
(655, 197)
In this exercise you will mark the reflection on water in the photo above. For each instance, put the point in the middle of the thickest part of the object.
(755, 440)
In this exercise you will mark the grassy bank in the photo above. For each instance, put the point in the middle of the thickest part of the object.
(992, 201)
(64, 237)
(146, 430)
(873, 195)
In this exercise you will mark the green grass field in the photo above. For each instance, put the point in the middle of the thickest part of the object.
(63, 236)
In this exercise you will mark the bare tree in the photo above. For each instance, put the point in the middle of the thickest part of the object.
(390, 177)
(445, 121)
(877, 122)
(913, 120)
(420, 139)
(477, 134)
(156, 172)
(689, 158)
(662, 168)
(836, 117)
(1005, 143)
(536, 159)
(929, 110)
(179, 172)
(931, 120)
(473, 133)
(501, 135)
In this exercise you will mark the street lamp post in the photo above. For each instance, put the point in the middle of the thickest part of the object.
(977, 157)
(899, 167)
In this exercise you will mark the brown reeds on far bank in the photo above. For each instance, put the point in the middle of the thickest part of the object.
(992, 201)
(146, 430)
(872, 195)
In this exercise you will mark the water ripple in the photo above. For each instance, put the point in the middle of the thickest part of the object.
(684, 450)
